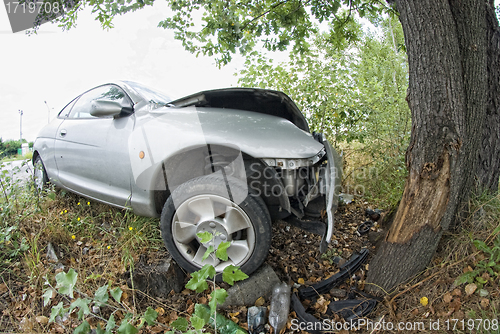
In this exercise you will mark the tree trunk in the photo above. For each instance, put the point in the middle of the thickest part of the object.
(446, 43)
(488, 169)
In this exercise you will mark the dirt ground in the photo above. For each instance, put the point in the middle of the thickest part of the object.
(294, 257)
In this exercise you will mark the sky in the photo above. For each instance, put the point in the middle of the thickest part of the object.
(55, 66)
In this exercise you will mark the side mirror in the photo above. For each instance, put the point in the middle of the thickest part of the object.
(104, 108)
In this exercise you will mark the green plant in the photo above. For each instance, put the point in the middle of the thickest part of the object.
(66, 286)
(487, 267)
(198, 283)
(131, 323)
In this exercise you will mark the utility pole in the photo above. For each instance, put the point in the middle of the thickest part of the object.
(48, 109)
(21, 127)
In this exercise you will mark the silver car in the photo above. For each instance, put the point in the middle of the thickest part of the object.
(228, 161)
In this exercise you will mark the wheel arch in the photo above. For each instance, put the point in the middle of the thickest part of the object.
(192, 162)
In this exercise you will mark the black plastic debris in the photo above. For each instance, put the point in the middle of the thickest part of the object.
(346, 270)
(364, 228)
(305, 317)
(352, 309)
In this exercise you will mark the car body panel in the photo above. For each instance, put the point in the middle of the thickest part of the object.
(125, 160)
(333, 178)
(263, 101)
(255, 134)
(103, 144)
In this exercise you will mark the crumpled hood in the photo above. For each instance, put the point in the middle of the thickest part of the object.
(263, 101)
(167, 131)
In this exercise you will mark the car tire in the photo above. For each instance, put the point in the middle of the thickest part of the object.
(40, 177)
(205, 204)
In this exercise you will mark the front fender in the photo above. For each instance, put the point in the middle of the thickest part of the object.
(168, 132)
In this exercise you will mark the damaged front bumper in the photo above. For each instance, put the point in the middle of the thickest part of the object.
(330, 182)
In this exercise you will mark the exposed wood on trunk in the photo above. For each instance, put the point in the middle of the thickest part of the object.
(424, 201)
(446, 45)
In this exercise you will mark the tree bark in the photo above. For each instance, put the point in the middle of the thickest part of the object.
(447, 46)
(488, 169)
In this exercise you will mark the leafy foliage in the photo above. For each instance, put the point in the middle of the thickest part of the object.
(198, 283)
(355, 94)
(222, 28)
(66, 286)
(490, 265)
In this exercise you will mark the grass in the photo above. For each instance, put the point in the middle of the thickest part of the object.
(16, 157)
(458, 256)
(102, 244)
(98, 241)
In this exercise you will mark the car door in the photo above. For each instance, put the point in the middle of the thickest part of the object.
(92, 152)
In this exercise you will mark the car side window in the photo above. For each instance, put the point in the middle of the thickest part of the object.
(82, 107)
(66, 110)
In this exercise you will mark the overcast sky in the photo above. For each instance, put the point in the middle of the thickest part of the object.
(56, 66)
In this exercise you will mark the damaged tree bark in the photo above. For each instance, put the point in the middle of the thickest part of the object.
(447, 44)
(488, 169)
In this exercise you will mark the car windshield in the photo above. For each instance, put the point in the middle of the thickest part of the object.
(149, 94)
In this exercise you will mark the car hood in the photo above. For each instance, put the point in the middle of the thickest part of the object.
(263, 101)
(166, 132)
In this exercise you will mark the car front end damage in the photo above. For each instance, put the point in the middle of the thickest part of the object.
(310, 188)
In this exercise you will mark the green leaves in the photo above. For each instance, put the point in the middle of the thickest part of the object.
(197, 322)
(126, 326)
(47, 296)
(198, 279)
(218, 297)
(84, 328)
(83, 305)
(150, 316)
(221, 252)
(101, 294)
(231, 274)
(57, 310)
(205, 237)
(116, 293)
(209, 251)
(180, 324)
(66, 282)
(202, 312)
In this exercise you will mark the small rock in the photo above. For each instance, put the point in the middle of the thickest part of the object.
(373, 214)
(346, 198)
(338, 261)
(41, 319)
(158, 279)
(259, 284)
(51, 253)
(338, 293)
(58, 266)
(96, 309)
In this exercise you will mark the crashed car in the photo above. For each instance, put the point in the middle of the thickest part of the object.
(227, 161)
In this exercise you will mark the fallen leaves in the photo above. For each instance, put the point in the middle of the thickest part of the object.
(485, 302)
(470, 288)
(260, 301)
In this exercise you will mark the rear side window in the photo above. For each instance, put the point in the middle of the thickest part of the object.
(82, 107)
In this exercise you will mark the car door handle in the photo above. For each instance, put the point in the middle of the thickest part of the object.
(63, 133)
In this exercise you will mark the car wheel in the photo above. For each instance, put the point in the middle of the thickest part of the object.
(202, 205)
(40, 177)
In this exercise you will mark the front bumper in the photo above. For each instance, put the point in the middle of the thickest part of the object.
(332, 177)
